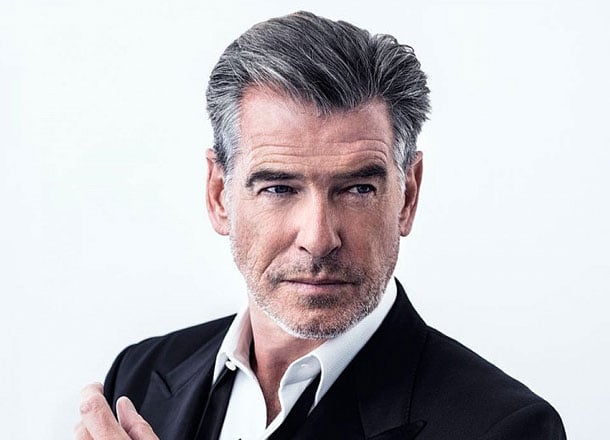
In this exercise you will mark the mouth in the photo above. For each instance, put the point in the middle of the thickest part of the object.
(317, 286)
(317, 281)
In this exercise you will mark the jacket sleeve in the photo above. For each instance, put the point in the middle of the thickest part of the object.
(538, 421)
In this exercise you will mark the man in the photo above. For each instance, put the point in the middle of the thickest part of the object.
(314, 177)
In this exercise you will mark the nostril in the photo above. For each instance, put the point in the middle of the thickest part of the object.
(319, 243)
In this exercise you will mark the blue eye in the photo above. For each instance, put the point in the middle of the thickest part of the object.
(278, 189)
(361, 189)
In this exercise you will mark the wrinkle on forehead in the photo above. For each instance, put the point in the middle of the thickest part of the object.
(276, 128)
(328, 165)
(329, 153)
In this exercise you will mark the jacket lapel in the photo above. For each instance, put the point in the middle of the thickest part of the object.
(371, 399)
(175, 400)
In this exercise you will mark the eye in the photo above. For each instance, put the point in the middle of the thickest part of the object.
(278, 190)
(361, 189)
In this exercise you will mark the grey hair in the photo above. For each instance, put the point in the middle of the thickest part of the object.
(335, 66)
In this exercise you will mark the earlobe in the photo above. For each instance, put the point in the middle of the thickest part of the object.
(412, 184)
(215, 195)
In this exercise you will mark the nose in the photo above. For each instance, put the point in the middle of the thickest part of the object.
(318, 232)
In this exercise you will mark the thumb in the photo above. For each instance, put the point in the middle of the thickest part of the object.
(134, 425)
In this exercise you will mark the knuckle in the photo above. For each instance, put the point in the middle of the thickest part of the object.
(92, 404)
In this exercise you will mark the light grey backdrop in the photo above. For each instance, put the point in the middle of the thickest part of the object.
(104, 235)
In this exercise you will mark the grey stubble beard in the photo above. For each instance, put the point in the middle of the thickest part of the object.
(346, 318)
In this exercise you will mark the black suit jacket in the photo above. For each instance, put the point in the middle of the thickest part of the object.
(408, 381)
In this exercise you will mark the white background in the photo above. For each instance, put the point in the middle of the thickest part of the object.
(104, 238)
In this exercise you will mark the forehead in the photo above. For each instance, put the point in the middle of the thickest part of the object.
(276, 129)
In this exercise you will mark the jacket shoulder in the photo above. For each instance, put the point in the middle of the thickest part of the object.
(459, 392)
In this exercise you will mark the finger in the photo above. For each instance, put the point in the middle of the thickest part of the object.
(136, 427)
(97, 416)
(81, 433)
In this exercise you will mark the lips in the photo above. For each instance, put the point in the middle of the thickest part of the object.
(317, 287)
(317, 281)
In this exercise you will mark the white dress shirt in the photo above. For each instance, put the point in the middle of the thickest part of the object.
(246, 416)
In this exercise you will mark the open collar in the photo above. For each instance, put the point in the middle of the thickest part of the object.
(332, 356)
(372, 397)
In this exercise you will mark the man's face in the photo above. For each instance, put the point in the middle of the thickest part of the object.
(314, 210)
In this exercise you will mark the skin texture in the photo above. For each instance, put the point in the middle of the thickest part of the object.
(314, 210)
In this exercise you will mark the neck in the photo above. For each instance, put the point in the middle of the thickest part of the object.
(273, 351)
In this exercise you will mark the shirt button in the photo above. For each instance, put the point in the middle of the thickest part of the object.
(230, 365)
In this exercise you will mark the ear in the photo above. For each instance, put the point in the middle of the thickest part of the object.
(215, 195)
(412, 185)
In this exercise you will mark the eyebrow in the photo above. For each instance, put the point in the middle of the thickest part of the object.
(269, 175)
(366, 172)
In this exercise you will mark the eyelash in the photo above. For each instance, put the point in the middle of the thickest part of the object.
(274, 190)
(369, 189)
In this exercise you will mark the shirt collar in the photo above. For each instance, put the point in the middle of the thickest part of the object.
(235, 347)
(330, 358)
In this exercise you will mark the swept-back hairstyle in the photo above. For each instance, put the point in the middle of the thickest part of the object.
(334, 65)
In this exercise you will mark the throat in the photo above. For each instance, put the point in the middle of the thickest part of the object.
(271, 353)
(269, 382)
(272, 403)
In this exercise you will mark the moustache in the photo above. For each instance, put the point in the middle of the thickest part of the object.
(327, 267)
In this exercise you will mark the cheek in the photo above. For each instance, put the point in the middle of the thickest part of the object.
(259, 236)
(371, 230)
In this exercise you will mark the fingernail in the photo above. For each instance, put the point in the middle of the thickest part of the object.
(123, 406)
(128, 405)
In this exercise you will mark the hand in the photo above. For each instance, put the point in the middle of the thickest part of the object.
(98, 423)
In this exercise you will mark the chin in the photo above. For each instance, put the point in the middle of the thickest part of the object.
(318, 324)
(313, 330)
